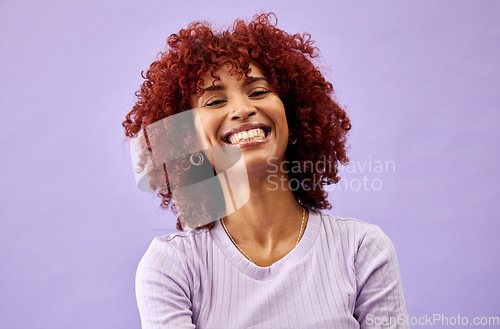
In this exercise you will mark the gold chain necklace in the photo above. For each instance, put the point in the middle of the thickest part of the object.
(244, 253)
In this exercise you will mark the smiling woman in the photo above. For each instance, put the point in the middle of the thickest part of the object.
(275, 260)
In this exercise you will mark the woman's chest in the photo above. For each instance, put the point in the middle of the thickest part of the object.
(309, 295)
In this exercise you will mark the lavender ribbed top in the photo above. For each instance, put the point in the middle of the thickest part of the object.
(343, 274)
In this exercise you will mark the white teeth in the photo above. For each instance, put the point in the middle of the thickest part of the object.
(245, 136)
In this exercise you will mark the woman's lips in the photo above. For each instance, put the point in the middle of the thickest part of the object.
(245, 127)
(251, 143)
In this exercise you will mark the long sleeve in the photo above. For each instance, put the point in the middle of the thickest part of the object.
(380, 302)
(162, 289)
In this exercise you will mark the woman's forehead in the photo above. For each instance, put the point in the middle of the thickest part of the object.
(229, 70)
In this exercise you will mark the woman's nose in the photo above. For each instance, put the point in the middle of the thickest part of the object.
(242, 110)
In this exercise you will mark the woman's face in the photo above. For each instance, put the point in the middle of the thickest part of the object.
(249, 116)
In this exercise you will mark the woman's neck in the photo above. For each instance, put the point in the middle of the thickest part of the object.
(268, 224)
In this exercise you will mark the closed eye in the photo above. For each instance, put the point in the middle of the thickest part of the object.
(215, 102)
(259, 93)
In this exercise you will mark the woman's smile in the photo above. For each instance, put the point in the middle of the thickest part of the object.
(247, 135)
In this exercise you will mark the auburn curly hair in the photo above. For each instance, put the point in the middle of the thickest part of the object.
(319, 123)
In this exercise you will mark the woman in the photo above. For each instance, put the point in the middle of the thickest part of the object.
(276, 260)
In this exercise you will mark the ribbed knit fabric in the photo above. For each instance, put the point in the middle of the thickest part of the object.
(343, 274)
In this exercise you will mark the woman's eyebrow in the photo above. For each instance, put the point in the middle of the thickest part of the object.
(221, 87)
(211, 88)
(255, 79)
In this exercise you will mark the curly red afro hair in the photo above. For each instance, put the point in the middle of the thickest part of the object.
(319, 123)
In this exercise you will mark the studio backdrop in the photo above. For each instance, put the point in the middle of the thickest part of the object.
(418, 79)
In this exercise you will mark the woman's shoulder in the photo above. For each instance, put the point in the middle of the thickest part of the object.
(178, 247)
(180, 238)
(353, 231)
(351, 224)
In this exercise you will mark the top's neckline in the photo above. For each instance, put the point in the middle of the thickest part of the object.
(238, 260)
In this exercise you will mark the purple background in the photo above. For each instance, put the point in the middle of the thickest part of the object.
(420, 80)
